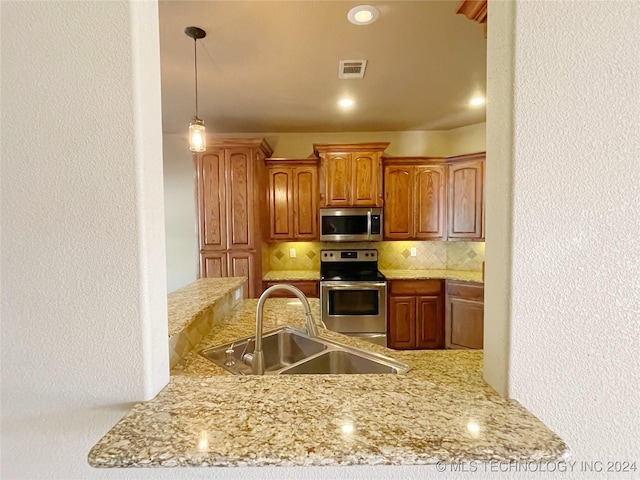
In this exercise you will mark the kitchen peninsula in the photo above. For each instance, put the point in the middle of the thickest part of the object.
(441, 410)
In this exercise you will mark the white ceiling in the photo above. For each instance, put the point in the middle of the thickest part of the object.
(272, 66)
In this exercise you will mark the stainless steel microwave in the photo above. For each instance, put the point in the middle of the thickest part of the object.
(357, 224)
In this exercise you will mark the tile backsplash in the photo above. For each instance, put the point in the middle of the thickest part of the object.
(394, 255)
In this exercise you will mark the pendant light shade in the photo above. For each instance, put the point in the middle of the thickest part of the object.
(197, 132)
(197, 136)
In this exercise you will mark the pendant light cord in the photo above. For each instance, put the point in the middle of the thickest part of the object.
(195, 63)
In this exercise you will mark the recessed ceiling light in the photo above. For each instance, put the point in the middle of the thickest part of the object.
(363, 14)
(477, 101)
(346, 102)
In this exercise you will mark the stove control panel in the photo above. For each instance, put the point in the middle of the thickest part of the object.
(364, 255)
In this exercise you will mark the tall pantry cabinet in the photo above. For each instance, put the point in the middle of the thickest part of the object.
(231, 208)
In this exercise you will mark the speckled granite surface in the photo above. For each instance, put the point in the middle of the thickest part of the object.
(440, 410)
(187, 302)
(464, 275)
(276, 275)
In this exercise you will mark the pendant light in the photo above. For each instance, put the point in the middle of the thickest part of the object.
(197, 132)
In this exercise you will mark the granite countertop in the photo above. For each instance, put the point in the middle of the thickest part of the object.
(186, 302)
(441, 410)
(463, 275)
(279, 275)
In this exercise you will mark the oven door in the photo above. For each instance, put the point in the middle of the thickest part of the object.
(354, 307)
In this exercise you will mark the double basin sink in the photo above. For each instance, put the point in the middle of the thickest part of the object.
(289, 351)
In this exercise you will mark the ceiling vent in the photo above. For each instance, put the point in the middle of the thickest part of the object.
(352, 68)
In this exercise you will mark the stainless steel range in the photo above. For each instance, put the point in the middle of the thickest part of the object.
(353, 294)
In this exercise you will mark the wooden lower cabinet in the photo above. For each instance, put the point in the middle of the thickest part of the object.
(415, 314)
(308, 287)
(464, 317)
(213, 264)
(235, 263)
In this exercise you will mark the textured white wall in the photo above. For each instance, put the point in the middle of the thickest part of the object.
(498, 194)
(575, 319)
(84, 322)
(575, 273)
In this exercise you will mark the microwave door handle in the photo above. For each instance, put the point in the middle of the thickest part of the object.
(369, 224)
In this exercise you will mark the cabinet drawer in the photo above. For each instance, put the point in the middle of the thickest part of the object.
(415, 287)
(469, 291)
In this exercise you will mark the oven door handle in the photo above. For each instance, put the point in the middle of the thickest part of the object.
(359, 285)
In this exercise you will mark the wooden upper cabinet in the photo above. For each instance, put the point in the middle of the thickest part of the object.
(240, 190)
(351, 174)
(414, 199)
(305, 203)
(232, 215)
(466, 197)
(398, 204)
(366, 179)
(429, 202)
(210, 179)
(280, 202)
(337, 174)
(293, 199)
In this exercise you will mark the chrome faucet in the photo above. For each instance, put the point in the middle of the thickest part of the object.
(256, 359)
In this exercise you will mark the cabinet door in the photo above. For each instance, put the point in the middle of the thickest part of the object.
(305, 203)
(240, 191)
(465, 323)
(337, 179)
(429, 202)
(211, 200)
(398, 211)
(429, 322)
(401, 330)
(366, 180)
(281, 203)
(213, 264)
(243, 264)
(466, 199)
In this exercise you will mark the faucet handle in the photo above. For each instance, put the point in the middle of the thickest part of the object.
(247, 358)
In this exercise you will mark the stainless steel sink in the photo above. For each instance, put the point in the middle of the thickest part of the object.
(339, 362)
(282, 348)
(290, 351)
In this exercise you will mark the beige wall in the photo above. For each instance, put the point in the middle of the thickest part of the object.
(432, 143)
(180, 212)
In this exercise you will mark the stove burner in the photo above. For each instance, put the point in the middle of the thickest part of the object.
(350, 265)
